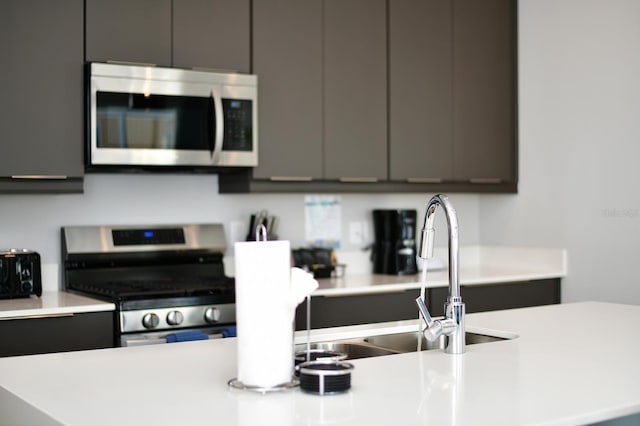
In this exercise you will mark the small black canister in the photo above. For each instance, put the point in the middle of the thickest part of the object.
(325, 377)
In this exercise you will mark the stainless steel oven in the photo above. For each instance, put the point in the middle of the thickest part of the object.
(167, 281)
(153, 117)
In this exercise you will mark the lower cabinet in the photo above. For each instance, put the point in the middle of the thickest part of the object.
(27, 336)
(383, 307)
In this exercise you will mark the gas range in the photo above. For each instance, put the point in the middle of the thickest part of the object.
(165, 280)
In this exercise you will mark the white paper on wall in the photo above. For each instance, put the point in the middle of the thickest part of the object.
(323, 223)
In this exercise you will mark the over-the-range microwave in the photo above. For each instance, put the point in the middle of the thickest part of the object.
(141, 117)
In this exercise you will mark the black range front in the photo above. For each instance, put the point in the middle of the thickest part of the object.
(167, 281)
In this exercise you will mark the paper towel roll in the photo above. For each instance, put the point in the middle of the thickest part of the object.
(264, 315)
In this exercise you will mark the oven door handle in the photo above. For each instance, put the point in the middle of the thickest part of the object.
(218, 128)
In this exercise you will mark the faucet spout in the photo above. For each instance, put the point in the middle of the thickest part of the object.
(452, 326)
(428, 233)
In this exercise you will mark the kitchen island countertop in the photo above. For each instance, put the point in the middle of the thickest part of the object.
(571, 364)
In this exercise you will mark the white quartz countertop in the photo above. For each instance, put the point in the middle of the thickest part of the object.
(478, 266)
(51, 303)
(570, 364)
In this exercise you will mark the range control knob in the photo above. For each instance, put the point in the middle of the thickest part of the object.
(150, 320)
(212, 315)
(175, 318)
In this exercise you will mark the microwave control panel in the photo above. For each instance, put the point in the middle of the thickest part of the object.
(238, 124)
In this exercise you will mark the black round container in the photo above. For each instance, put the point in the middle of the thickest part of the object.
(325, 377)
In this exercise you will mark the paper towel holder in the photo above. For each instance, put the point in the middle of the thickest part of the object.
(237, 384)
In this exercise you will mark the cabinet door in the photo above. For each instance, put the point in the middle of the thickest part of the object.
(355, 89)
(484, 90)
(287, 57)
(211, 34)
(73, 332)
(129, 31)
(41, 110)
(420, 91)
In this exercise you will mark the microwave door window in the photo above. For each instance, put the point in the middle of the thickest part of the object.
(138, 121)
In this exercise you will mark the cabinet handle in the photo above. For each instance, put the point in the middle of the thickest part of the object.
(485, 180)
(42, 177)
(36, 316)
(290, 178)
(358, 179)
(424, 180)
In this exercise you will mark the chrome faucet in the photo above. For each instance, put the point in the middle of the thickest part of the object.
(452, 325)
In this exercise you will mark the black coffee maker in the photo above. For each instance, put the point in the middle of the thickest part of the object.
(394, 246)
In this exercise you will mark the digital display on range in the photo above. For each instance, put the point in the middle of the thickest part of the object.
(130, 237)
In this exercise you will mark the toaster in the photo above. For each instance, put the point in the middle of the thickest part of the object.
(20, 274)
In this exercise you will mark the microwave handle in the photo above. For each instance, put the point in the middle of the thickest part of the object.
(218, 130)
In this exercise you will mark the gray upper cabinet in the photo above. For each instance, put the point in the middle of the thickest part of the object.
(452, 91)
(484, 90)
(129, 31)
(212, 34)
(420, 91)
(355, 92)
(322, 80)
(287, 57)
(41, 107)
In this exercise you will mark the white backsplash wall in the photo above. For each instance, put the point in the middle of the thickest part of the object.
(34, 221)
(579, 120)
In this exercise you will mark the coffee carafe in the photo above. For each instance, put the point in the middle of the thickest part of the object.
(394, 246)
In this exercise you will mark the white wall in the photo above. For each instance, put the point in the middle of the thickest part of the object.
(579, 145)
(34, 221)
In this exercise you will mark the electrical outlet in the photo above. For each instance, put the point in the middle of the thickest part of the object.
(357, 232)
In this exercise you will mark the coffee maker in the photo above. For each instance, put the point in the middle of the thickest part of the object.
(394, 246)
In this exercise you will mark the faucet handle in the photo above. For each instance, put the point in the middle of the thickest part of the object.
(435, 328)
(424, 312)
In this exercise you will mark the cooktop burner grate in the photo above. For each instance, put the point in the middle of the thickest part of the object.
(123, 290)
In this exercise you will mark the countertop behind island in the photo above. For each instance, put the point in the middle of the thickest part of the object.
(570, 364)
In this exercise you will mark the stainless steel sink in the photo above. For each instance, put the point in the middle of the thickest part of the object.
(408, 342)
(353, 348)
(389, 344)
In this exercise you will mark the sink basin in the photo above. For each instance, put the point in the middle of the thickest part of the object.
(408, 342)
(354, 349)
(389, 344)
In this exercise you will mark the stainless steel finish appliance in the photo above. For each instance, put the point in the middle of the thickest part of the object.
(147, 116)
(452, 325)
(167, 281)
(394, 246)
(20, 274)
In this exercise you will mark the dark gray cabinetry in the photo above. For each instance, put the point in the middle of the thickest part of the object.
(287, 57)
(41, 106)
(420, 91)
(129, 31)
(484, 90)
(452, 91)
(355, 81)
(185, 33)
(401, 305)
(423, 102)
(322, 71)
(212, 34)
(26, 336)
